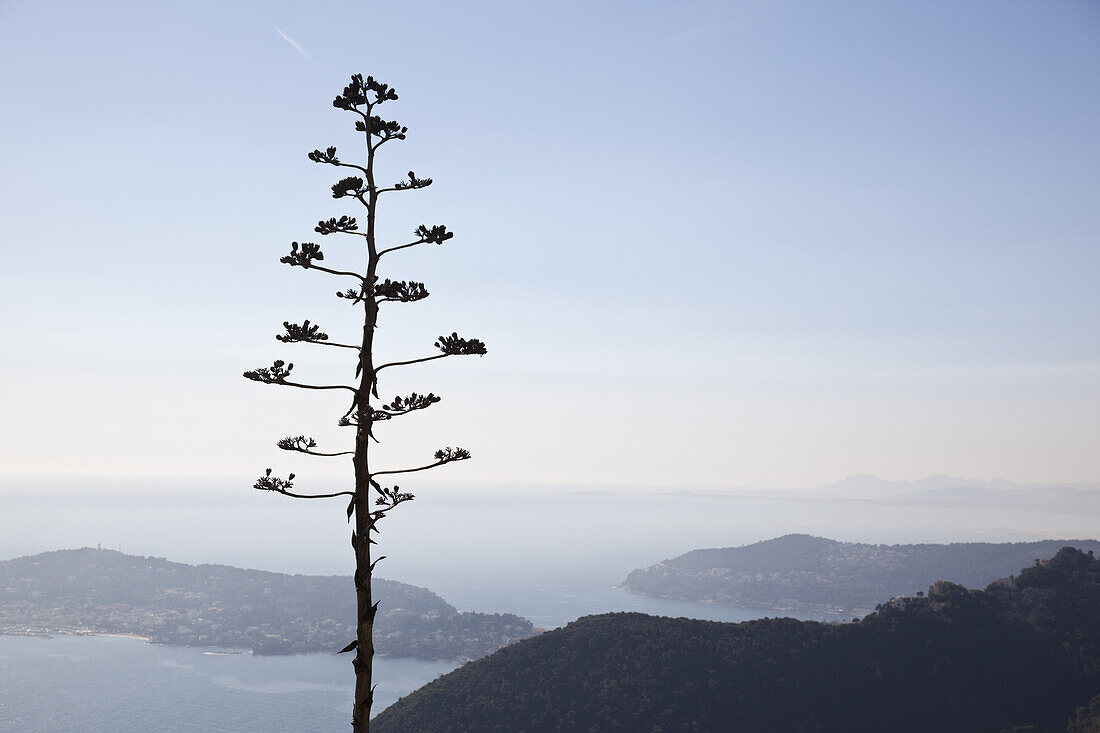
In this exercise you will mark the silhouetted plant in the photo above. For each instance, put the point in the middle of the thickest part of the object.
(369, 501)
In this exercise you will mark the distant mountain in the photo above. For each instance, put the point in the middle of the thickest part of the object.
(867, 486)
(1024, 652)
(864, 484)
(104, 591)
(816, 575)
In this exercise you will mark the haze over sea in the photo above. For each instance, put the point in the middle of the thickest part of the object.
(550, 556)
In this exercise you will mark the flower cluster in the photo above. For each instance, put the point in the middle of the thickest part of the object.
(402, 405)
(391, 496)
(350, 186)
(343, 224)
(364, 92)
(446, 455)
(454, 346)
(437, 234)
(297, 442)
(275, 374)
(267, 482)
(400, 291)
(383, 129)
(305, 331)
(329, 156)
(413, 182)
(303, 257)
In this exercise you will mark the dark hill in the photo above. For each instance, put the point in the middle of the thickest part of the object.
(840, 579)
(216, 605)
(1026, 651)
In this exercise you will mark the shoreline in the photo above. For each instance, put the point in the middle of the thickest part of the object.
(213, 650)
(47, 632)
(802, 609)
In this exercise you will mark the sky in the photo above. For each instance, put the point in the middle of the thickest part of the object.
(708, 244)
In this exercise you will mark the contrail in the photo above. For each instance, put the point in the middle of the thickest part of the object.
(293, 43)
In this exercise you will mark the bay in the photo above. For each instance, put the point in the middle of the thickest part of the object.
(93, 684)
(550, 557)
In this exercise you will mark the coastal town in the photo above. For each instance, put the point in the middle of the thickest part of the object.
(96, 591)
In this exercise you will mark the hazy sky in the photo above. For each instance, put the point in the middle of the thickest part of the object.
(707, 243)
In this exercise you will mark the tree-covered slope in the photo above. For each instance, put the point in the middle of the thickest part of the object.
(817, 575)
(1023, 652)
(1087, 718)
(217, 605)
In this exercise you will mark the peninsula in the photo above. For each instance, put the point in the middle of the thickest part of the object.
(838, 580)
(95, 591)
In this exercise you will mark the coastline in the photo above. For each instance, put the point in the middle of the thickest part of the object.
(827, 613)
(48, 632)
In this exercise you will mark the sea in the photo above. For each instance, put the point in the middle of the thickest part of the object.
(127, 685)
(124, 685)
(549, 556)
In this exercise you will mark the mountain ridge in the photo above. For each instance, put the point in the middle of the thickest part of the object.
(1023, 652)
(799, 572)
(869, 484)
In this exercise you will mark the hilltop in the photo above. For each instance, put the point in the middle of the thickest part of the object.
(103, 591)
(1024, 652)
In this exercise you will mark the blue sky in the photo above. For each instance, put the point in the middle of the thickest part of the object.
(708, 243)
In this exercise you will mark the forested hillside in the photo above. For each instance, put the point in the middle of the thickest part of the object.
(835, 579)
(1023, 652)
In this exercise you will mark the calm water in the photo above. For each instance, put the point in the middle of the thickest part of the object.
(98, 683)
(95, 684)
(550, 557)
